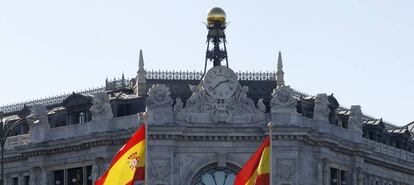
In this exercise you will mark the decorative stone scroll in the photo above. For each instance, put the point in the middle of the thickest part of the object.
(283, 100)
(321, 110)
(101, 108)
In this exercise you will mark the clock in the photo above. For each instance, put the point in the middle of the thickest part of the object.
(220, 82)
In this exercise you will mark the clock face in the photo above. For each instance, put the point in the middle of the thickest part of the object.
(220, 82)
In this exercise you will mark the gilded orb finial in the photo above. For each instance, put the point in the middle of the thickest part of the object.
(216, 15)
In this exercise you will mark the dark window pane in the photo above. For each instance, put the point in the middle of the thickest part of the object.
(334, 176)
(26, 180)
(75, 176)
(15, 181)
(59, 177)
(89, 175)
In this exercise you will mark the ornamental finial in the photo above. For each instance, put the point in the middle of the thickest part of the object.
(280, 81)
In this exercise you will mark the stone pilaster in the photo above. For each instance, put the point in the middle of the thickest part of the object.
(326, 172)
(98, 166)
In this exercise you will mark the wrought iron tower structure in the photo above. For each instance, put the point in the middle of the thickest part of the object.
(216, 24)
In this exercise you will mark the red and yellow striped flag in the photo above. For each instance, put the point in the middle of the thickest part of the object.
(128, 165)
(257, 169)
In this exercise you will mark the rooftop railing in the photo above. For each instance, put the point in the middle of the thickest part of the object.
(196, 75)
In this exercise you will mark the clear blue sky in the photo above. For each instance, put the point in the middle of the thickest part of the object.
(362, 51)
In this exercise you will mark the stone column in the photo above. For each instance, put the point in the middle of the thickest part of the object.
(33, 176)
(20, 179)
(7, 179)
(43, 176)
(326, 172)
(97, 168)
(361, 178)
(319, 173)
(50, 177)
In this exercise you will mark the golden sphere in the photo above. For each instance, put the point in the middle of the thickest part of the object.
(216, 15)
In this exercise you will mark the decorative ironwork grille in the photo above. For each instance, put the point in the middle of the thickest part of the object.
(216, 176)
(49, 101)
(194, 75)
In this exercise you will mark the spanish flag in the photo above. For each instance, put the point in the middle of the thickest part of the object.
(257, 169)
(128, 165)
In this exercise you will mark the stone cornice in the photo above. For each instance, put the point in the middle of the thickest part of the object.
(304, 135)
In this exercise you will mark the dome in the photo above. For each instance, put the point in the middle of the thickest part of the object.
(216, 15)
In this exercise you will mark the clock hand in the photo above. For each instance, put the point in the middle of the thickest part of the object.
(219, 84)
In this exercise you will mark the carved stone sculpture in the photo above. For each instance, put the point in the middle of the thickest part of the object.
(354, 178)
(261, 106)
(39, 123)
(355, 118)
(196, 101)
(245, 104)
(160, 169)
(220, 113)
(321, 110)
(319, 173)
(178, 105)
(333, 106)
(285, 170)
(283, 100)
(360, 178)
(204, 108)
(159, 98)
(101, 108)
(40, 115)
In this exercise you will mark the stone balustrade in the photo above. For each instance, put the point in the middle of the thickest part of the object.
(19, 140)
(390, 150)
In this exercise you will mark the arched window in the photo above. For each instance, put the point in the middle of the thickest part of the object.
(214, 175)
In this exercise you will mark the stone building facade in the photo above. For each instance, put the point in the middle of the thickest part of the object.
(202, 128)
(192, 135)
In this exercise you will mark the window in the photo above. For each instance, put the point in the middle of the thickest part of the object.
(15, 181)
(21, 128)
(59, 177)
(338, 177)
(26, 180)
(216, 175)
(89, 175)
(75, 176)
(212, 174)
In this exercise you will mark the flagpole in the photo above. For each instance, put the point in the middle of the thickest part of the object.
(270, 153)
(145, 117)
